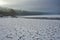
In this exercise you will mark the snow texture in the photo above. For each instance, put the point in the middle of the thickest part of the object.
(29, 29)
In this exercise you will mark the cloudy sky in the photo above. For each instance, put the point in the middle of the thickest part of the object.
(32, 5)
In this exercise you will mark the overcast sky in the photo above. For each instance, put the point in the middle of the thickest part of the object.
(34, 5)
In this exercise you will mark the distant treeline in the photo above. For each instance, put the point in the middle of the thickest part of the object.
(9, 12)
(30, 13)
(13, 13)
(19, 12)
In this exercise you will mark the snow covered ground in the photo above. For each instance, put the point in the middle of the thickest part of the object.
(29, 29)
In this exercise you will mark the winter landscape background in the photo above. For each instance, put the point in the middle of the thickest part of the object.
(29, 19)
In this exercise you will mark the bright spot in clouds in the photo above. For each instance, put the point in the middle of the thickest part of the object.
(2, 3)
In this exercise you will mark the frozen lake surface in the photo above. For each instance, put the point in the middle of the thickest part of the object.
(29, 29)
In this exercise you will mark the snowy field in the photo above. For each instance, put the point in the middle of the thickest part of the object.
(29, 29)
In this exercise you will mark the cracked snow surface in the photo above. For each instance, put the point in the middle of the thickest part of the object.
(29, 29)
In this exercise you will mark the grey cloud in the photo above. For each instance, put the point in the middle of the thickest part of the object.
(34, 4)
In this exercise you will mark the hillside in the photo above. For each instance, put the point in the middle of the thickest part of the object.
(13, 12)
(7, 12)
